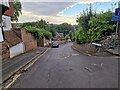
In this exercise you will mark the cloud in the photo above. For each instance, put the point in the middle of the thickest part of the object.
(28, 17)
(84, 2)
(45, 8)
(52, 10)
(66, 0)
(33, 11)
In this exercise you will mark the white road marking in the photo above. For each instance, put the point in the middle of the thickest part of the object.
(75, 54)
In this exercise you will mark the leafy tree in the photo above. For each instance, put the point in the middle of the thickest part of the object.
(93, 26)
(17, 10)
(100, 26)
(84, 18)
(64, 28)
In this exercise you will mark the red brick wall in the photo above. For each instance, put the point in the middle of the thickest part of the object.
(41, 42)
(10, 12)
(4, 51)
(29, 41)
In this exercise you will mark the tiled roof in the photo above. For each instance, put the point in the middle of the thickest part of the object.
(18, 33)
(12, 38)
(59, 35)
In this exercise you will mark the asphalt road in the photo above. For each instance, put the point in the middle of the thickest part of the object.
(65, 68)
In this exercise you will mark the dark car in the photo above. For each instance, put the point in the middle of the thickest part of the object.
(55, 44)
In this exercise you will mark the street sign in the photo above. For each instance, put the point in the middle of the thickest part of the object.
(117, 11)
(115, 18)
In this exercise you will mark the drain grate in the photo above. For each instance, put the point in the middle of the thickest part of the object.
(94, 68)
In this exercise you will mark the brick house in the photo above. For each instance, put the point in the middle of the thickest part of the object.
(16, 41)
(6, 11)
(14, 44)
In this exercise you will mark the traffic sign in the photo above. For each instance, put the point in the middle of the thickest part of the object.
(117, 11)
(115, 18)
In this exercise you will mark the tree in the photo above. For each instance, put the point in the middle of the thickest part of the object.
(64, 28)
(17, 10)
(93, 26)
(100, 26)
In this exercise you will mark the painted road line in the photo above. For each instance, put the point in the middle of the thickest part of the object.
(11, 83)
(36, 60)
(33, 59)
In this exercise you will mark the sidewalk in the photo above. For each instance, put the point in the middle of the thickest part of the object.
(90, 52)
(10, 66)
(115, 51)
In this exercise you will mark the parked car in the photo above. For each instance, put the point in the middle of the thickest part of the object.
(55, 44)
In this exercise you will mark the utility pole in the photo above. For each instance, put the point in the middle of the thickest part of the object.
(117, 29)
(119, 35)
(118, 26)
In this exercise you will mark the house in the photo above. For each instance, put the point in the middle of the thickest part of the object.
(12, 45)
(59, 36)
(5, 12)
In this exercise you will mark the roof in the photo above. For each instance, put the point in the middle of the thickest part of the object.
(12, 38)
(59, 35)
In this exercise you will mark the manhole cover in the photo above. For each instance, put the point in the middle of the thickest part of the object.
(93, 68)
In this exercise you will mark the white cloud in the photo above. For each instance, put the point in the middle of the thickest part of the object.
(28, 17)
(51, 10)
(83, 1)
(45, 8)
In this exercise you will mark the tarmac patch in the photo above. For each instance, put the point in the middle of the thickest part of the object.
(94, 67)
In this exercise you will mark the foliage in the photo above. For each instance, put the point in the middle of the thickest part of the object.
(17, 10)
(93, 26)
(80, 36)
(64, 28)
(41, 24)
(67, 37)
(38, 32)
(100, 26)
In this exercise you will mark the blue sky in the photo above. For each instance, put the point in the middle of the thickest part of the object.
(98, 6)
(58, 12)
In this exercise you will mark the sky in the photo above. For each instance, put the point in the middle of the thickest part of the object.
(63, 11)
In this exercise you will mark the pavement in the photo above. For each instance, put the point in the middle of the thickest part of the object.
(64, 67)
(114, 53)
(11, 65)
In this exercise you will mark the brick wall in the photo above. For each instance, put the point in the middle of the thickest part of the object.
(43, 42)
(86, 48)
(29, 41)
(4, 51)
(10, 11)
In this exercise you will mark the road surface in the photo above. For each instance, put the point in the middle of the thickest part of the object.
(65, 68)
